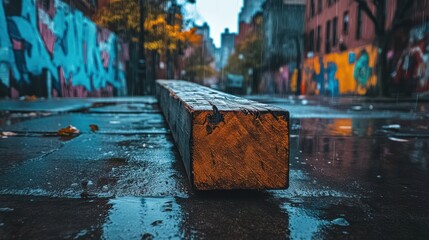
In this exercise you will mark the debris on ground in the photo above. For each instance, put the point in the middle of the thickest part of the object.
(68, 131)
(94, 127)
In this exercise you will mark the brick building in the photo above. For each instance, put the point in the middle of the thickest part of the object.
(333, 27)
(245, 18)
(339, 45)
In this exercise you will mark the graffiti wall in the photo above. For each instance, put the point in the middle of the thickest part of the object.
(410, 72)
(281, 82)
(49, 49)
(344, 73)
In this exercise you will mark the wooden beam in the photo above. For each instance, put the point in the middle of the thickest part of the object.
(226, 142)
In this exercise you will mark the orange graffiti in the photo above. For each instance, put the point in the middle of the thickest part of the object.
(345, 64)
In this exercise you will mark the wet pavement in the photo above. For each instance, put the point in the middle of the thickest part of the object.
(359, 169)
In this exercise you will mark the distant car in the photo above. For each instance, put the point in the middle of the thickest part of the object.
(235, 84)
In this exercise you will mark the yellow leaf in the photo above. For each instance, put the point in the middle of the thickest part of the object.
(68, 131)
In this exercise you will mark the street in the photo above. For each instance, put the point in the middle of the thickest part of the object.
(359, 169)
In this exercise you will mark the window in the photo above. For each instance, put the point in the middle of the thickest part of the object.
(334, 31)
(311, 41)
(346, 22)
(327, 35)
(359, 23)
(319, 6)
(318, 38)
(312, 8)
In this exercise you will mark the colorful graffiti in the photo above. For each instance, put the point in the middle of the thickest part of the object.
(58, 44)
(362, 72)
(411, 73)
(340, 73)
(279, 82)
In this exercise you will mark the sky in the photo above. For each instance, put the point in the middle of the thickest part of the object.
(219, 14)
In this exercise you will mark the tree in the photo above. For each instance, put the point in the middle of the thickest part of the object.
(163, 38)
(197, 65)
(122, 17)
(376, 12)
(247, 58)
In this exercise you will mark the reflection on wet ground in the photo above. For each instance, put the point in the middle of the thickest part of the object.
(350, 178)
(377, 171)
(111, 165)
(143, 218)
(32, 217)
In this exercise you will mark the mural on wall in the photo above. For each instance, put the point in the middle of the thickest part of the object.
(352, 73)
(57, 43)
(342, 73)
(362, 72)
(411, 71)
(282, 81)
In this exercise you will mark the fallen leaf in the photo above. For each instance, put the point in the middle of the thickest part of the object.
(29, 98)
(68, 131)
(8, 134)
(94, 127)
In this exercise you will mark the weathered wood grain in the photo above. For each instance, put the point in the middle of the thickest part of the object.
(226, 142)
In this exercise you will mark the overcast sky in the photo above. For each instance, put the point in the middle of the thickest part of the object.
(219, 14)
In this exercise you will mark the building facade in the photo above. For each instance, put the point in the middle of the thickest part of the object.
(249, 9)
(283, 22)
(337, 32)
(226, 48)
(204, 31)
(340, 47)
(245, 18)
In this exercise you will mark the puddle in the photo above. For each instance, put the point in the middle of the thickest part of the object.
(301, 224)
(138, 218)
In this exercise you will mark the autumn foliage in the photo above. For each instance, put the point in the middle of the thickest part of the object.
(122, 17)
(163, 36)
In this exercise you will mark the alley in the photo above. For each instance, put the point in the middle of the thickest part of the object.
(358, 168)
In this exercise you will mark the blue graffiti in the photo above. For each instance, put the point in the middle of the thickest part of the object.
(77, 50)
(332, 86)
(362, 71)
(320, 78)
(68, 47)
(325, 79)
(94, 61)
(36, 56)
(6, 53)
